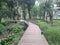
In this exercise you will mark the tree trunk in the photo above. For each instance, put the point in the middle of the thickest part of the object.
(51, 19)
(11, 16)
(46, 19)
(0, 20)
(44, 16)
(29, 14)
(24, 15)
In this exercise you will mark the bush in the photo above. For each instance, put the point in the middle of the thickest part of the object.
(15, 28)
(1, 28)
(6, 40)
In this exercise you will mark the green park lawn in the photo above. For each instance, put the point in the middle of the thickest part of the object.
(51, 32)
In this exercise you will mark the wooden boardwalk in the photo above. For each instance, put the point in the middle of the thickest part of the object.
(32, 36)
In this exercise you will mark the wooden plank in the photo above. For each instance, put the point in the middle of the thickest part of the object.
(32, 36)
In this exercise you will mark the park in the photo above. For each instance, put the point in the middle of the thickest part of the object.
(29, 22)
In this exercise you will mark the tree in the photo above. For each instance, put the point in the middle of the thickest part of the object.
(22, 3)
(35, 10)
(47, 7)
(26, 4)
(30, 4)
(42, 10)
(10, 5)
(2, 9)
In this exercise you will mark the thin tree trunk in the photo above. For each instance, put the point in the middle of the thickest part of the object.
(24, 15)
(29, 14)
(44, 16)
(0, 20)
(11, 13)
(51, 19)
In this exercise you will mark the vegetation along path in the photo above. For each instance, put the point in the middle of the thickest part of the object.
(33, 36)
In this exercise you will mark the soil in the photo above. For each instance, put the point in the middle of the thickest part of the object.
(4, 35)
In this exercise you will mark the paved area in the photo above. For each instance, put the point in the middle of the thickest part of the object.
(32, 36)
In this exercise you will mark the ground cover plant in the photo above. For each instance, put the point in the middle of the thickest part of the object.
(51, 31)
(15, 33)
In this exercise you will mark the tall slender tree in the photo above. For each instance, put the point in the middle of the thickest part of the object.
(27, 4)
(30, 4)
(47, 7)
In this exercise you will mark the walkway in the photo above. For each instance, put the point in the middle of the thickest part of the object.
(32, 36)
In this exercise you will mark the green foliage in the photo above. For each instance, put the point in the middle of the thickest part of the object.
(7, 40)
(15, 28)
(46, 8)
(35, 10)
(1, 28)
(14, 37)
(10, 3)
(7, 8)
(26, 4)
(51, 32)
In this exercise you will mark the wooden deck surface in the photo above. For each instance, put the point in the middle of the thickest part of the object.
(32, 36)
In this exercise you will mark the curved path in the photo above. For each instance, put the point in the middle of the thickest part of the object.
(33, 36)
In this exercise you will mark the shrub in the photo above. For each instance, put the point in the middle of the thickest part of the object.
(9, 28)
(6, 40)
(15, 28)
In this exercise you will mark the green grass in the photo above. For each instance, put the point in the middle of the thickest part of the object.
(51, 32)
